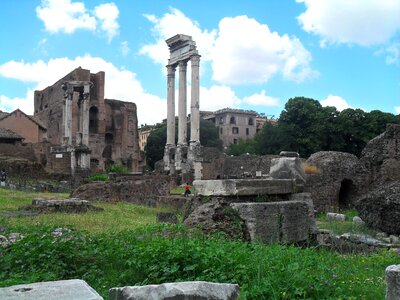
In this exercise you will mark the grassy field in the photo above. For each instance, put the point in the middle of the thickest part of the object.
(116, 216)
(123, 246)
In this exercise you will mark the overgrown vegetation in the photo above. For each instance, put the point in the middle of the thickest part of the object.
(144, 253)
(117, 168)
(98, 177)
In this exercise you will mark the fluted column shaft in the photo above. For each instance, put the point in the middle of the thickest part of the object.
(195, 97)
(171, 105)
(182, 111)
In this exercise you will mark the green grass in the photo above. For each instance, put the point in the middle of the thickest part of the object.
(123, 246)
(116, 216)
(340, 227)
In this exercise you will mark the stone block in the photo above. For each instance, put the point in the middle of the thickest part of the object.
(61, 290)
(288, 168)
(335, 217)
(358, 221)
(244, 187)
(178, 290)
(276, 222)
(392, 275)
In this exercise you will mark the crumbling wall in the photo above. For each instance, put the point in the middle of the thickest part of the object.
(142, 190)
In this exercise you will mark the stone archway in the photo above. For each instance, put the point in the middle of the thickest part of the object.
(347, 194)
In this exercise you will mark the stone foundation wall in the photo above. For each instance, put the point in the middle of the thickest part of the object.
(143, 190)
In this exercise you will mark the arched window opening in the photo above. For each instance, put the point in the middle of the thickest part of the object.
(232, 120)
(251, 121)
(93, 119)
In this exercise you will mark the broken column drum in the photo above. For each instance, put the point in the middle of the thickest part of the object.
(182, 50)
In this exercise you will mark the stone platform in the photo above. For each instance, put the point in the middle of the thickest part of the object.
(72, 205)
(61, 290)
(245, 187)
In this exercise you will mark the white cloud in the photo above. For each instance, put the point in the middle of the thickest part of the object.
(261, 99)
(246, 51)
(335, 101)
(171, 24)
(66, 16)
(362, 22)
(25, 104)
(119, 84)
(397, 110)
(125, 48)
(241, 51)
(108, 15)
(217, 97)
(393, 54)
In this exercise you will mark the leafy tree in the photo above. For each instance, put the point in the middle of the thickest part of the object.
(154, 148)
(242, 147)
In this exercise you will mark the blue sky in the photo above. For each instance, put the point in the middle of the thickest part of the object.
(255, 54)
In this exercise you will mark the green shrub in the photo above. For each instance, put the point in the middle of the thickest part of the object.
(98, 177)
(117, 168)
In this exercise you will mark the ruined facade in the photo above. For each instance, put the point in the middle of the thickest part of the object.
(85, 130)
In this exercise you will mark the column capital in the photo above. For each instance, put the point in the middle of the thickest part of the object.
(171, 69)
(182, 65)
(195, 60)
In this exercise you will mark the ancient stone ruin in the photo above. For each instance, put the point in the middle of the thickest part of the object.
(179, 158)
(271, 210)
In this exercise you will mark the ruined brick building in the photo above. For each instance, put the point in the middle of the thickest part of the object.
(85, 131)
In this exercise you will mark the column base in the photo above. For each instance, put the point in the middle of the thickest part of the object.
(169, 158)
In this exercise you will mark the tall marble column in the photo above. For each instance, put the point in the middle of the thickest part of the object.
(182, 111)
(194, 105)
(171, 105)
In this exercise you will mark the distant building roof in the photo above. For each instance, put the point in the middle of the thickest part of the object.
(237, 111)
(9, 134)
(4, 115)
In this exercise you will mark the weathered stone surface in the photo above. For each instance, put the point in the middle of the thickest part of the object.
(288, 168)
(276, 222)
(180, 290)
(217, 216)
(61, 290)
(244, 187)
(380, 208)
(72, 205)
(341, 179)
(358, 221)
(142, 190)
(392, 275)
(166, 217)
(289, 154)
(306, 197)
(335, 217)
(381, 156)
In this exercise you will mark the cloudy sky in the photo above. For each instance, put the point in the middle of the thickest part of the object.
(256, 54)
